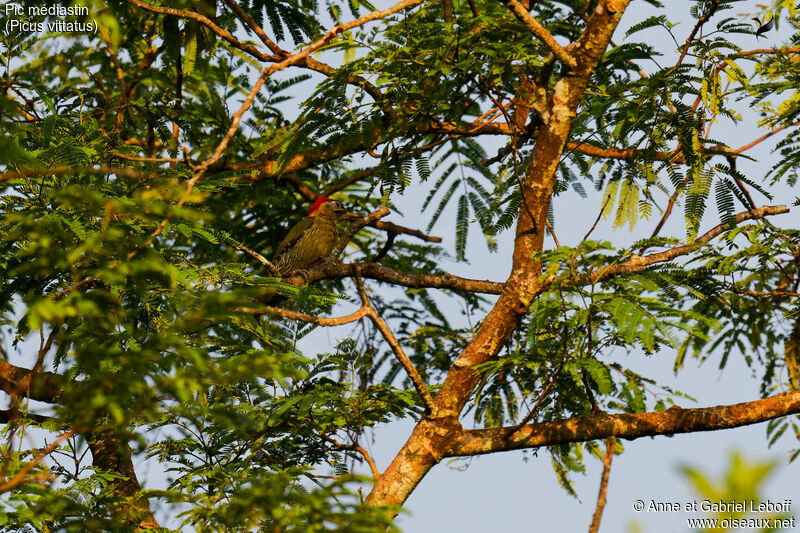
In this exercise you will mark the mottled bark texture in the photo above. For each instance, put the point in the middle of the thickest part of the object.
(626, 426)
(111, 453)
(433, 436)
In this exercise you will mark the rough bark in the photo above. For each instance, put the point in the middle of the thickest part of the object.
(43, 386)
(626, 426)
(110, 452)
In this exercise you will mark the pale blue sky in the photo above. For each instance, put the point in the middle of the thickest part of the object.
(503, 493)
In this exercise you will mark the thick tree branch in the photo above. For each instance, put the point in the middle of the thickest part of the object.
(112, 452)
(626, 426)
(430, 438)
(10, 415)
(396, 277)
(40, 386)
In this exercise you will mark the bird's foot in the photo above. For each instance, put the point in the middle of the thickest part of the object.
(303, 274)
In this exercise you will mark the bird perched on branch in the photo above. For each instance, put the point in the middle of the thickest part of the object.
(311, 239)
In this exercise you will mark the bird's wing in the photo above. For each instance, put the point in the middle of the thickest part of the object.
(765, 27)
(294, 235)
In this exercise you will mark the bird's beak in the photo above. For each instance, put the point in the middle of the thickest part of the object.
(350, 216)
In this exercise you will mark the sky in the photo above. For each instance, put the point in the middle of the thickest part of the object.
(515, 493)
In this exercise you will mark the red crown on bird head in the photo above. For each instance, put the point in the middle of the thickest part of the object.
(318, 202)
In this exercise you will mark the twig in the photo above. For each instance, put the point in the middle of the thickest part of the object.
(589, 393)
(386, 247)
(394, 228)
(349, 181)
(21, 475)
(601, 495)
(597, 220)
(257, 256)
(552, 231)
(354, 228)
(745, 192)
(208, 23)
(539, 401)
(356, 448)
(670, 205)
(700, 22)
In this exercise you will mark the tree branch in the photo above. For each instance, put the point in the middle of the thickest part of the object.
(311, 319)
(356, 448)
(540, 32)
(41, 386)
(111, 451)
(354, 228)
(638, 263)
(626, 426)
(367, 309)
(21, 476)
(10, 415)
(258, 257)
(601, 494)
(67, 171)
(250, 23)
(208, 23)
(396, 277)
(402, 358)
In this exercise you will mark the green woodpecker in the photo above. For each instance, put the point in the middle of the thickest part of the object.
(311, 239)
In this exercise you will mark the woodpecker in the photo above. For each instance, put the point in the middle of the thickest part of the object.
(312, 238)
